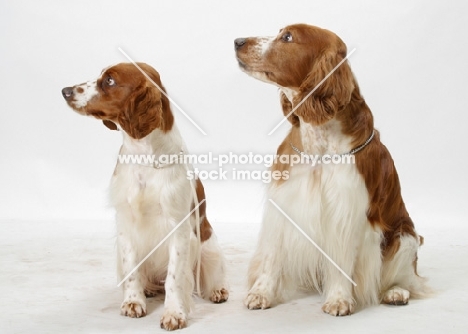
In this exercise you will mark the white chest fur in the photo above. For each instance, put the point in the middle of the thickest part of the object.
(149, 199)
(329, 202)
(324, 139)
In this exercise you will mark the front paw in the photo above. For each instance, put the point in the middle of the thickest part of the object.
(339, 307)
(133, 309)
(219, 296)
(173, 320)
(255, 301)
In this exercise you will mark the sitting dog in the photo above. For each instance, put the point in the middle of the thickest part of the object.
(366, 242)
(150, 200)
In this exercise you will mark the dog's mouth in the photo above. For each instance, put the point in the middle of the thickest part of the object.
(256, 72)
(242, 65)
(78, 109)
(251, 69)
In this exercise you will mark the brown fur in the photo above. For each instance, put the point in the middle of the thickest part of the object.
(205, 227)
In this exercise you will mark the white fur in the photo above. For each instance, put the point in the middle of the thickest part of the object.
(149, 203)
(89, 91)
(289, 92)
(264, 44)
(260, 76)
(329, 202)
(324, 139)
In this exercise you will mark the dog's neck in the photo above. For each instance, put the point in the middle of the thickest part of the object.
(156, 143)
(324, 139)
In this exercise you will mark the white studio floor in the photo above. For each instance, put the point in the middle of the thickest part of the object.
(59, 277)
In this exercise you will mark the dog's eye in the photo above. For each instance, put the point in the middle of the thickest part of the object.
(287, 37)
(110, 81)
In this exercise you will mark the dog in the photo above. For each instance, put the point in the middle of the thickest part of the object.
(152, 199)
(354, 212)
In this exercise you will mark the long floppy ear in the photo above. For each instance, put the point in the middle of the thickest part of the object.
(145, 111)
(287, 107)
(332, 95)
(111, 125)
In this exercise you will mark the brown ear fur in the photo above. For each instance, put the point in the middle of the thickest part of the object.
(287, 107)
(145, 110)
(334, 93)
(111, 125)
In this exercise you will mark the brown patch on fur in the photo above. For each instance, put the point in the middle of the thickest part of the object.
(415, 265)
(205, 227)
(386, 207)
(294, 136)
(421, 240)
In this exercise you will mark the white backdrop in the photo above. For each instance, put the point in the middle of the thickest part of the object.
(410, 61)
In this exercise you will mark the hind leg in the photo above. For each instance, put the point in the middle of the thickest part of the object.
(396, 296)
(399, 277)
(213, 272)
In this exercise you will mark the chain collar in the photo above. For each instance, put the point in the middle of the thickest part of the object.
(353, 151)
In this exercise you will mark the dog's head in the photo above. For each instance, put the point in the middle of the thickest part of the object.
(123, 96)
(297, 60)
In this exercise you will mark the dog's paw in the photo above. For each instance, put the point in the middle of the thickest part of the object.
(396, 296)
(133, 309)
(219, 296)
(173, 320)
(339, 307)
(255, 301)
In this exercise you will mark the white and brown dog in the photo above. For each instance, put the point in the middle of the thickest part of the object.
(353, 211)
(150, 200)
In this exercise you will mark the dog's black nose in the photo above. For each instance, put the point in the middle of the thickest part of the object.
(238, 42)
(67, 93)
